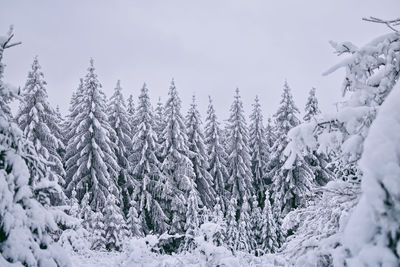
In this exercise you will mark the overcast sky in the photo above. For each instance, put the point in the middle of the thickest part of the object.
(210, 47)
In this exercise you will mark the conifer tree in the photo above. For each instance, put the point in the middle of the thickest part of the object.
(243, 242)
(98, 233)
(218, 218)
(114, 225)
(159, 121)
(119, 122)
(311, 108)
(192, 221)
(130, 109)
(198, 156)
(38, 121)
(146, 169)
(232, 226)
(216, 156)
(258, 150)
(133, 223)
(73, 111)
(240, 178)
(91, 165)
(256, 224)
(85, 212)
(268, 236)
(177, 166)
(291, 175)
(24, 240)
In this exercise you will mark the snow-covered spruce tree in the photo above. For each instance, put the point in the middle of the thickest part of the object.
(146, 169)
(119, 122)
(37, 119)
(198, 156)
(130, 109)
(98, 232)
(371, 73)
(73, 111)
(218, 218)
(192, 221)
(177, 166)
(268, 234)
(258, 150)
(133, 222)
(115, 229)
(231, 225)
(243, 242)
(159, 121)
(85, 211)
(311, 108)
(91, 165)
(240, 184)
(256, 225)
(292, 178)
(24, 238)
(372, 234)
(216, 156)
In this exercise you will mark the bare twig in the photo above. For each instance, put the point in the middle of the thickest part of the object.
(389, 23)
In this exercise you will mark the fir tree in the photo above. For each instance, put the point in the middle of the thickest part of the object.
(91, 164)
(130, 109)
(119, 122)
(146, 169)
(177, 165)
(114, 225)
(243, 242)
(269, 231)
(256, 224)
(98, 233)
(192, 221)
(85, 212)
(232, 226)
(311, 108)
(24, 239)
(240, 181)
(133, 223)
(291, 175)
(258, 150)
(38, 121)
(218, 218)
(216, 155)
(159, 121)
(198, 156)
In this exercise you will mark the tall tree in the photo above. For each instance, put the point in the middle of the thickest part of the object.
(258, 150)
(121, 137)
(92, 165)
(291, 175)
(38, 121)
(198, 156)
(177, 166)
(130, 109)
(311, 108)
(216, 156)
(146, 169)
(269, 229)
(24, 239)
(240, 178)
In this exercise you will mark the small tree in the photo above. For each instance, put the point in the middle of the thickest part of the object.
(311, 108)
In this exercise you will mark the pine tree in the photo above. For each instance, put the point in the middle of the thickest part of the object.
(91, 165)
(133, 223)
(192, 221)
(73, 111)
(216, 156)
(198, 156)
(85, 212)
(159, 121)
(291, 175)
(269, 229)
(243, 242)
(114, 225)
(232, 226)
(256, 224)
(37, 119)
(240, 181)
(98, 233)
(119, 122)
(177, 166)
(146, 169)
(311, 108)
(258, 150)
(24, 240)
(130, 109)
(218, 218)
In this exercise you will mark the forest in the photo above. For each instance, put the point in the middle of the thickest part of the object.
(119, 181)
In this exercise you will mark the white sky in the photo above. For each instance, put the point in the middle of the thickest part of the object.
(210, 47)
